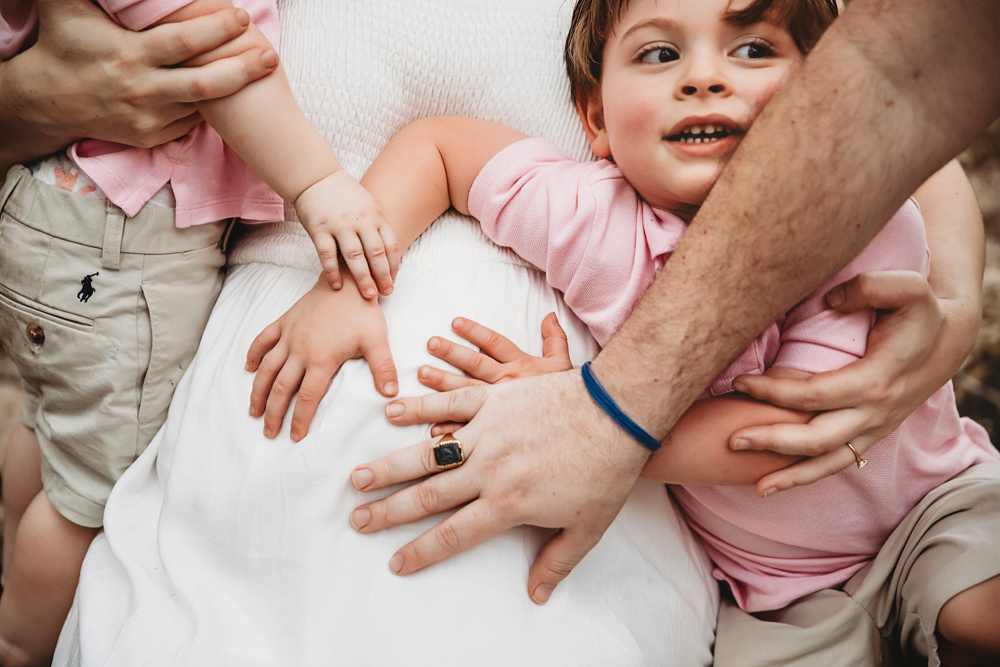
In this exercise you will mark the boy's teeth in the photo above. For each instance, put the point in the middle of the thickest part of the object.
(690, 135)
(695, 130)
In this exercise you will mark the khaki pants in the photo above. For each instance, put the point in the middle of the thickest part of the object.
(886, 614)
(101, 314)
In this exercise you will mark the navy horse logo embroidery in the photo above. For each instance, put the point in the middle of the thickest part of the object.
(87, 290)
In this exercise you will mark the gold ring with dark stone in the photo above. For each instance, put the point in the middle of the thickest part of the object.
(448, 453)
(857, 457)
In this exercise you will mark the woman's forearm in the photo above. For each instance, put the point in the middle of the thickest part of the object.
(874, 112)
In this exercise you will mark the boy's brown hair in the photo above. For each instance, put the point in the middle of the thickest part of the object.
(595, 20)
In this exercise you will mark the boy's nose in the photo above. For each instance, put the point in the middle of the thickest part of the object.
(702, 80)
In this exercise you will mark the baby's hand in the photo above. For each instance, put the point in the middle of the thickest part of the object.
(498, 360)
(338, 212)
(305, 348)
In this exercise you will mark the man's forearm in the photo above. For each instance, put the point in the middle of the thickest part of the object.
(892, 92)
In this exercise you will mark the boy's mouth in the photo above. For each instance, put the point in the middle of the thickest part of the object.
(702, 134)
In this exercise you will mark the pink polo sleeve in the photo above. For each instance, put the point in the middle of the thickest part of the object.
(580, 223)
(816, 338)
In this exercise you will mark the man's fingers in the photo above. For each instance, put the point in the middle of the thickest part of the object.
(435, 494)
(555, 345)
(808, 471)
(824, 433)
(499, 347)
(832, 390)
(261, 345)
(173, 43)
(311, 392)
(460, 405)
(439, 380)
(884, 290)
(405, 465)
(473, 362)
(285, 385)
(378, 260)
(463, 530)
(558, 557)
(445, 428)
(383, 368)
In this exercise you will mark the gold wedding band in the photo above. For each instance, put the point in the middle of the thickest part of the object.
(448, 453)
(857, 457)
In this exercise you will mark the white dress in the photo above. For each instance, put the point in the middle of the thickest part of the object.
(222, 547)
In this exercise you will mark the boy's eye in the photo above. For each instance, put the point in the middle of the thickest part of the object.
(753, 50)
(660, 54)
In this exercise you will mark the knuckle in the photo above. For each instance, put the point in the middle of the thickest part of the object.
(428, 498)
(557, 568)
(354, 255)
(447, 537)
(492, 339)
(280, 388)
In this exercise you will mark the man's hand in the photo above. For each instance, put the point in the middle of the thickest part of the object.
(518, 470)
(305, 348)
(88, 77)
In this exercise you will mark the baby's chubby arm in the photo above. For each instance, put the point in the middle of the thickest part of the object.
(265, 126)
(430, 166)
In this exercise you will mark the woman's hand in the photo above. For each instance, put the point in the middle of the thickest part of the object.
(88, 77)
(305, 348)
(911, 354)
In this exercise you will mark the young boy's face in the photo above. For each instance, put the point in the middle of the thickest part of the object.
(679, 88)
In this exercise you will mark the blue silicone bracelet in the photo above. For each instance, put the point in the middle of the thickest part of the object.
(605, 402)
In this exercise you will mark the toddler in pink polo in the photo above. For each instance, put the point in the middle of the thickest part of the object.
(110, 266)
(850, 569)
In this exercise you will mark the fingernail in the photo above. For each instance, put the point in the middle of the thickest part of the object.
(360, 518)
(243, 17)
(770, 492)
(542, 593)
(741, 444)
(740, 387)
(388, 290)
(457, 323)
(361, 478)
(337, 285)
(391, 388)
(246, 366)
(268, 433)
(253, 413)
(270, 60)
(424, 372)
(436, 431)
(394, 410)
(433, 344)
(836, 296)
(396, 564)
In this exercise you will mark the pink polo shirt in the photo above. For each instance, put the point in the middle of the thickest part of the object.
(598, 242)
(209, 180)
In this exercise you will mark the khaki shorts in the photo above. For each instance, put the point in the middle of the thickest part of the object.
(101, 315)
(887, 613)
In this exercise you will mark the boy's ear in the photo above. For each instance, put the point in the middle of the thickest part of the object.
(591, 115)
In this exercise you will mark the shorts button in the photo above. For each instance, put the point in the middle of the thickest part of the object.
(35, 334)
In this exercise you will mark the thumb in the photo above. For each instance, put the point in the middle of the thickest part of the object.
(883, 290)
(554, 342)
(383, 368)
(558, 557)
